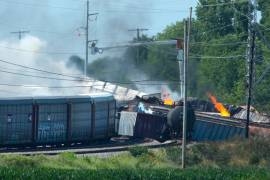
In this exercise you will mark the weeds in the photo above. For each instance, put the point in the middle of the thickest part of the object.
(237, 152)
(137, 151)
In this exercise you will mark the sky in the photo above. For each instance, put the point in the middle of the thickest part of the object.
(60, 23)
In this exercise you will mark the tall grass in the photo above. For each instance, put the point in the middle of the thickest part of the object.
(236, 152)
(237, 159)
(140, 173)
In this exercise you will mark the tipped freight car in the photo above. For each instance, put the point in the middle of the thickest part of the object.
(56, 120)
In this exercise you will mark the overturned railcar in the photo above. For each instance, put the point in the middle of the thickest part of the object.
(56, 120)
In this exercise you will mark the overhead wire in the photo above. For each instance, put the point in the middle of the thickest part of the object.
(82, 86)
(40, 70)
(222, 4)
(217, 28)
(40, 52)
(217, 57)
(77, 79)
(39, 5)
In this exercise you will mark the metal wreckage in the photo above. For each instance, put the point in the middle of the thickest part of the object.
(150, 116)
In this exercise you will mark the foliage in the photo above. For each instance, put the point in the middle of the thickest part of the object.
(138, 151)
(217, 60)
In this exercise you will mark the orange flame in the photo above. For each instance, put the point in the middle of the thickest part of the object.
(168, 102)
(223, 111)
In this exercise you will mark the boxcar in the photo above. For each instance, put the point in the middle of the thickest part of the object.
(56, 120)
(16, 121)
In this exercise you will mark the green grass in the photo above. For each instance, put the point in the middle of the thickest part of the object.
(117, 174)
(235, 159)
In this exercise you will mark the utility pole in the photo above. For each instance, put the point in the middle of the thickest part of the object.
(184, 96)
(250, 59)
(187, 30)
(138, 30)
(88, 15)
(180, 58)
(20, 33)
(87, 38)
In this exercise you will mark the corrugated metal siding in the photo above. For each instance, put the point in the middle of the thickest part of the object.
(54, 116)
(81, 121)
(101, 119)
(112, 111)
(216, 130)
(52, 123)
(15, 123)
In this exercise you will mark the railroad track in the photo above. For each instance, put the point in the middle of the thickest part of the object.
(89, 149)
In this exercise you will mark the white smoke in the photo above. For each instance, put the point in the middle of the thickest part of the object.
(32, 52)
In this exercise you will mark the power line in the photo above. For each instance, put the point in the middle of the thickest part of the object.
(217, 28)
(142, 12)
(41, 70)
(37, 76)
(39, 52)
(39, 5)
(140, 82)
(221, 4)
(20, 33)
(78, 79)
(81, 86)
(263, 75)
(218, 44)
(217, 57)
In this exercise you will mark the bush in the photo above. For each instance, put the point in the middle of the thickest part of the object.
(137, 151)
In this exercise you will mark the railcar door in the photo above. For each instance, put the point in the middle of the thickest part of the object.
(15, 124)
(81, 121)
(52, 123)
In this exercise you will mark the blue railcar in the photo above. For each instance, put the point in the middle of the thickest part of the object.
(56, 120)
(16, 121)
(214, 128)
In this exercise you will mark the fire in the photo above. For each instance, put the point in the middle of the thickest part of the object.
(166, 97)
(223, 111)
(168, 102)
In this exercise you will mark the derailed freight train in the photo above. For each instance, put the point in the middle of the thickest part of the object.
(78, 119)
(56, 120)
(149, 117)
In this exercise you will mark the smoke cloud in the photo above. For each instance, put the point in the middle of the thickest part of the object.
(29, 52)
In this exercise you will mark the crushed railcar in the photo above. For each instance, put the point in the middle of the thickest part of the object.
(161, 122)
(56, 119)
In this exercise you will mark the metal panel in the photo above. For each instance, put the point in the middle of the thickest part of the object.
(214, 133)
(202, 127)
(69, 119)
(50, 100)
(112, 113)
(17, 101)
(81, 121)
(214, 130)
(195, 130)
(209, 130)
(101, 118)
(221, 135)
(102, 97)
(52, 124)
(16, 123)
(232, 132)
(226, 132)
